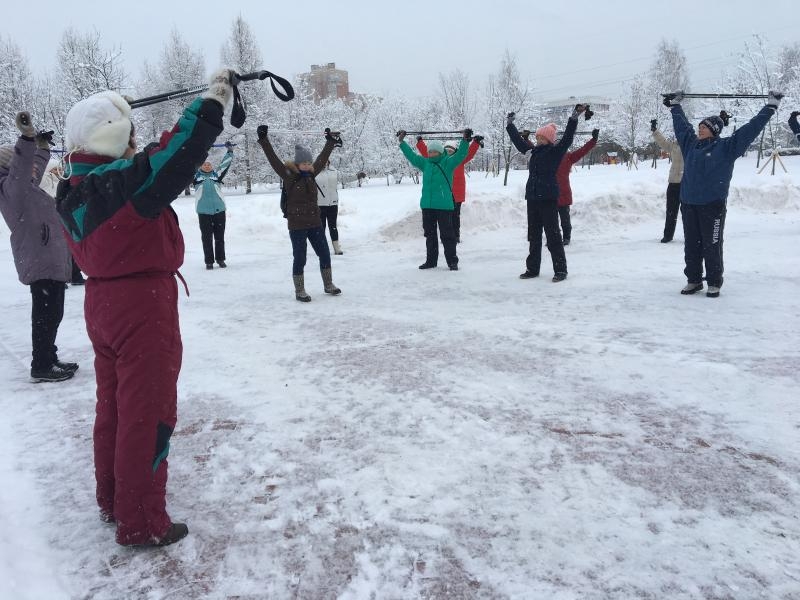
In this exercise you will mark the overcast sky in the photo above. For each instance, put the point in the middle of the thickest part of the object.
(563, 48)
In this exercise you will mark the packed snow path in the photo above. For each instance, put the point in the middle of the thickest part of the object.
(444, 434)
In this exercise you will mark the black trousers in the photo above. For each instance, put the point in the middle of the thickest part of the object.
(46, 315)
(673, 207)
(328, 214)
(566, 223)
(703, 226)
(457, 220)
(76, 272)
(544, 215)
(213, 226)
(443, 219)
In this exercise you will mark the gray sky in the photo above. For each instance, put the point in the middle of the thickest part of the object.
(563, 48)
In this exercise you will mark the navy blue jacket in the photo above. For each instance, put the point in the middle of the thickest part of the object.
(543, 165)
(795, 126)
(708, 164)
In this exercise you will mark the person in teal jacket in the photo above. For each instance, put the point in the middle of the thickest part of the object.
(210, 207)
(437, 196)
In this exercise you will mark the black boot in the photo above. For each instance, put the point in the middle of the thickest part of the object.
(427, 265)
(528, 275)
(67, 366)
(51, 373)
(560, 276)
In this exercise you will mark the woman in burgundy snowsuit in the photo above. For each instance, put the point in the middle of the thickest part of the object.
(564, 188)
(123, 232)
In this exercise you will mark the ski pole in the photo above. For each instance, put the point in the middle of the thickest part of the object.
(743, 96)
(459, 132)
(286, 94)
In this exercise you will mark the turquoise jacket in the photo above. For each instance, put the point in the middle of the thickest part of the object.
(208, 188)
(437, 175)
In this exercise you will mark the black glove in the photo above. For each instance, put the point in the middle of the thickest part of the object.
(333, 136)
(479, 139)
(588, 114)
(595, 134)
(401, 135)
(673, 99)
(579, 108)
(44, 139)
(726, 118)
(774, 98)
(261, 131)
(795, 114)
(653, 124)
(525, 133)
(468, 133)
(229, 146)
(510, 118)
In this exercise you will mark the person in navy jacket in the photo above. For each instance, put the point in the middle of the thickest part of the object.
(708, 168)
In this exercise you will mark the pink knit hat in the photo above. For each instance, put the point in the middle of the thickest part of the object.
(548, 132)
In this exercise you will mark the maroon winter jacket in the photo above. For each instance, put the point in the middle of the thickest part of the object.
(562, 175)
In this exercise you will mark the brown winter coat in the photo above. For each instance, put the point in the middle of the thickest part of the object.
(302, 211)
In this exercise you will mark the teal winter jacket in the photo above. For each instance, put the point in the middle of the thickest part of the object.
(437, 175)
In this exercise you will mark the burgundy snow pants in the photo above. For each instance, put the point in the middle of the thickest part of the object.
(133, 326)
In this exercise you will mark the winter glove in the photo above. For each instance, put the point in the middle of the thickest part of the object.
(229, 146)
(333, 136)
(525, 133)
(653, 124)
(479, 139)
(595, 134)
(44, 139)
(579, 108)
(673, 98)
(510, 118)
(220, 88)
(588, 114)
(401, 135)
(261, 131)
(774, 99)
(794, 115)
(468, 133)
(726, 118)
(24, 124)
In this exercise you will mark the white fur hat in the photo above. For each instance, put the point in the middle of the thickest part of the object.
(99, 124)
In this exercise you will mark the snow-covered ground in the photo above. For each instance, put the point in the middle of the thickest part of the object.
(445, 434)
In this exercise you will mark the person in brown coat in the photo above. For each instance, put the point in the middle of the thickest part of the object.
(302, 211)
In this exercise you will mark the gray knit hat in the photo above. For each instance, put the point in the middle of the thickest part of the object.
(302, 154)
(6, 154)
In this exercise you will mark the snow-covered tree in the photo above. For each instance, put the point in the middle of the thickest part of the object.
(629, 117)
(16, 88)
(85, 67)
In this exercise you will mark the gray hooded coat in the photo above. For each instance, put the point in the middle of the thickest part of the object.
(37, 240)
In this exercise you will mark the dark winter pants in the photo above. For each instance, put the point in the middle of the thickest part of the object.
(544, 215)
(443, 219)
(316, 237)
(457, 220)
(673, 206)
(566, 223)
(328, 214)
(46, 315)
(133, 326)
(77, 276)
(213, 226)
(703, 226)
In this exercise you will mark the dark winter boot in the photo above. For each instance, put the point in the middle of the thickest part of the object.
(528, 275)
(712, 292)
(453, 267)
(209, 267)
(221, 264)
(566, 241)
(666, 240)
(560, 276)
(300, 288)
(67, 366)
(51, 373)
(175, 533)
(427, 265)
(327, 281)
(692, 288)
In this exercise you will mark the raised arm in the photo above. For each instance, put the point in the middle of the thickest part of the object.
(740, 141)
(275, 162)
(473, 150)
(569, 133)
(224, 165)
(519, 142)
(412, 157)
(322, 159)
(422, 147)
(794, 125)
(18, 183)
(582, 151)
(458, 156)
(684, 132)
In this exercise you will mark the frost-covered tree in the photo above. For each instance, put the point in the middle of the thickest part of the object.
(457, 100)
(241, 53)
(629, 117)
(16, 88)
(85, 67)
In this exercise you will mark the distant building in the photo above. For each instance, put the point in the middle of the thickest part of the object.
(563, 107)
(327, 81)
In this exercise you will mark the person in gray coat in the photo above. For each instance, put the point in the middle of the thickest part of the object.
(40, 251)
(674, 180)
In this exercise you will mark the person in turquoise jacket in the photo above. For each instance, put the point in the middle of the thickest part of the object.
(210, 207)
(708, 161)
(437, 196)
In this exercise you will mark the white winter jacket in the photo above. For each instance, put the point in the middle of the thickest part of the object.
(328, 181)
